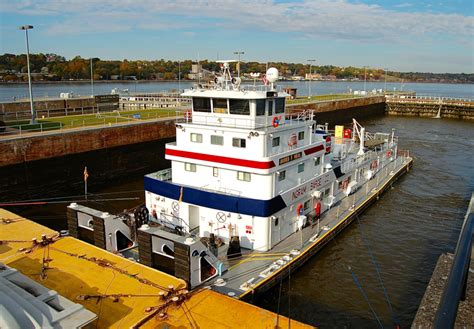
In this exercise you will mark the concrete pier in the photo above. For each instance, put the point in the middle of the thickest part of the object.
(430, 107)
(426, 313)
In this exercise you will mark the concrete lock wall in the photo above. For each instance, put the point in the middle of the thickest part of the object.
(64, 143)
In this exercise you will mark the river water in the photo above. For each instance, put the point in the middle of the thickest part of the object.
(406, 230)
(19, 91)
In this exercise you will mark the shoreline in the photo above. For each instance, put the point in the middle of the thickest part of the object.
(14, 83)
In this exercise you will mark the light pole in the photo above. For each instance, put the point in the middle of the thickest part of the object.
(311, 61)
(365, 79)
(179, 77)
(92, 80)
(238, 53)
(33, 113)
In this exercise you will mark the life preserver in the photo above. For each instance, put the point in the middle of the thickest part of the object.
(317, 208)
(389, 153)
(293, 140)
(299, 209)
(345, 183)
(187, 115)
(373, 165)
(275, 122)
(328, 144)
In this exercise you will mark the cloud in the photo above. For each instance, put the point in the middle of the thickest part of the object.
(337, 19)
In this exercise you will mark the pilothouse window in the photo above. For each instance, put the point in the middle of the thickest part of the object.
(279, 105)
(219, 105)
(201, 104)
(260, 106)
(239, 106)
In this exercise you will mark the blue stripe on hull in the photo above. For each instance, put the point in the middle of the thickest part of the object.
(240, 205)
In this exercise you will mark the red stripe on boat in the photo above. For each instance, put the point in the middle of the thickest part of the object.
(313, 149)
(221, 159)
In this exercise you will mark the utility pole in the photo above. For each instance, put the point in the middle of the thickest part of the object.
(32, 109)
(385, 82)
(179, 77)
(238, 68)
(92, 80)
(365, 80)
(311, 61)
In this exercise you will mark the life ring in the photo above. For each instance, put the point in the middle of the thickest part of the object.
(275, 122)
(345, 184)
(373, 165)
(317, 208)
(328, 144)
(187, 115)
(389, 153)
(299, 209)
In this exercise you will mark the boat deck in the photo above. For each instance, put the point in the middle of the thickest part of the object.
(258, 271)
(122, 293)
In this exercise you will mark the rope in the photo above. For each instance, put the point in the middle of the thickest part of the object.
(279, 298)
(289, 296)
(358, 284)
(105, 263)
(377, 269)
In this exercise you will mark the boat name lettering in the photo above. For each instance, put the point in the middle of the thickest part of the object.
(289, 158)
(316, 183)
(298, 192)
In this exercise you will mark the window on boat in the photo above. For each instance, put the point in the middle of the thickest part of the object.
(275, 141)
(196, 138)
(301, 135)
(238, 142)
(168, 251)
(260, 106)
(215, 171)
(123, 242)
(327, 192)
(219, 105)
(279, 105)
(217, 140)
(243, 176)
(207, 270)
(317, 161)
(201, 104)
(306, 205)
(276, 221)
(190, 167)
(301, 167)
(239, 106)
(282, 175)
(270, 107)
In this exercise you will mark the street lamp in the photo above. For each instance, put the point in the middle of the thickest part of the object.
(311, 61)
(179, 77)
(238, 53)
(33, 113)
(92, 80)
(365, 79)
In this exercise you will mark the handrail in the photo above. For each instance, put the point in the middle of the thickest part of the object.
(456, 285)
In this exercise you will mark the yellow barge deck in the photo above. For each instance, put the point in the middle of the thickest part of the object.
(122, 293)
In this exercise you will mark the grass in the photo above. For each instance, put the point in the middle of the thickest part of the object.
(104, 118)
(304, 99)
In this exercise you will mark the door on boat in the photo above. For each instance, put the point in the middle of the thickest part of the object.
(193, 217)
(276, 225)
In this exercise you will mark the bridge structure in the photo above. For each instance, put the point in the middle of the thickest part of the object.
(430, 106)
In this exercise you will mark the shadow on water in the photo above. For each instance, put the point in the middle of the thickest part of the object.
(113, 173)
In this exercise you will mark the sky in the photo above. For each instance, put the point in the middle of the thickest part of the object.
(421, 36)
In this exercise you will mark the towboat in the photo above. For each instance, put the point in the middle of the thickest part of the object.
(253, 190)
